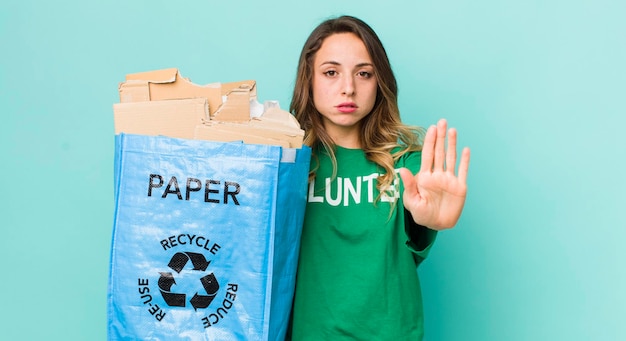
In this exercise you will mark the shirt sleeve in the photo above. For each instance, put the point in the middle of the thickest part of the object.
(420, 238)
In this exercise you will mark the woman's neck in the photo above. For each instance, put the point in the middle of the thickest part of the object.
(347, 138)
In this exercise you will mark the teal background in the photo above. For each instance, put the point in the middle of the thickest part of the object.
(537, 89)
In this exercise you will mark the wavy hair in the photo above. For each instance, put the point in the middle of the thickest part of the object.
(381, 130)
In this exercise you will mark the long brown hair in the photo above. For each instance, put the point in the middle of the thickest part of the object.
(382, 129)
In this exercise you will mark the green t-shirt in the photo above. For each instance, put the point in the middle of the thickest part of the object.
(357, 276)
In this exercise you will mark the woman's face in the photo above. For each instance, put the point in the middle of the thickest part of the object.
(344, 85)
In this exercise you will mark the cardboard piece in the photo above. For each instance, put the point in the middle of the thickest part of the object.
(236, 107)
(215, 133)
(288, 137)
(169, 84)
(162, 102)
(174, 118)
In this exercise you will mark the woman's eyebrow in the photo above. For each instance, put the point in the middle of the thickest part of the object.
(332, 62)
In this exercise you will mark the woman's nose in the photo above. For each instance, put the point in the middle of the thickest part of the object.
(348, 86)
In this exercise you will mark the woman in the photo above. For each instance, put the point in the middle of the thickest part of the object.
(365, 232)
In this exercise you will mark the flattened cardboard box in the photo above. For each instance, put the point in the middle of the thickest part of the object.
(162, 102)
(169, 84)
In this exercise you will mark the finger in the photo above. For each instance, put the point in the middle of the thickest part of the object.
(409, 181)
(428, 149)
(464, 165)
(440, 154)
(451, 152)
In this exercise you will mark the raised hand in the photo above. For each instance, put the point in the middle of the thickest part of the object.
(436, 195)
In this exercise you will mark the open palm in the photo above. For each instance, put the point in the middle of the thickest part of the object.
(435, 196)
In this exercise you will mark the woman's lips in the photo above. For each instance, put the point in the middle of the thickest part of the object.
(347, 107)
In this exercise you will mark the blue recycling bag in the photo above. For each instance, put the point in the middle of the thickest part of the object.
(205, 239)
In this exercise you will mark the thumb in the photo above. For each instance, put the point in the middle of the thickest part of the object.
(409, 181)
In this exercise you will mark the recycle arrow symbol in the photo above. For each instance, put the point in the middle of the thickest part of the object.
(209, 282)
(165, 284)
(179, 260)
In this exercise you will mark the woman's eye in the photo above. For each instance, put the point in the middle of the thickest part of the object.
(365, 74)
(330, 73)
